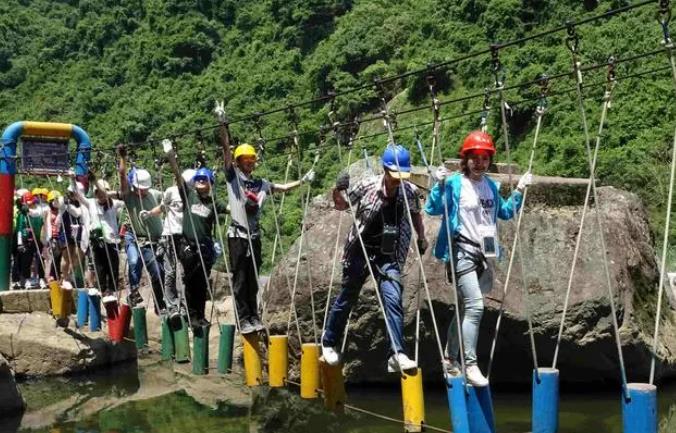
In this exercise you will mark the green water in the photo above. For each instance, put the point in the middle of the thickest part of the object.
(177, 412)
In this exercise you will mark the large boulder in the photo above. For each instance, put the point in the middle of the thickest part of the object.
(549, 229)
(11, 402)
(37, 347)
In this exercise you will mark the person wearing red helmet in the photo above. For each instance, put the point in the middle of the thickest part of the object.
(474, 205)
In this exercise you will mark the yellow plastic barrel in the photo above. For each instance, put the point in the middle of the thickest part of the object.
(412, 400)
(278, 360)
(309, 371)
(252, 360)
(60, 306)
(333, 384)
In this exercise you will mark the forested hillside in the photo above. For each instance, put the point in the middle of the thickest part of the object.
(132, 70)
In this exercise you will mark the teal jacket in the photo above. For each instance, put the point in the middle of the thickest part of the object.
(435, 206)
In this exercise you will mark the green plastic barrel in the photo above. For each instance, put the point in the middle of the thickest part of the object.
(225, 346)
(200, 349)
(140, 331)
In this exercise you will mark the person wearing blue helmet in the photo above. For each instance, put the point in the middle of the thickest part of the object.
(381, 221)
(196, 248)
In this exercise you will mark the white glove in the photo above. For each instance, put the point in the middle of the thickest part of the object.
(167, 146)
(524, 181)
(441, 173)
(144, 215)
(218, 251)
(309, 176)
(219, 111)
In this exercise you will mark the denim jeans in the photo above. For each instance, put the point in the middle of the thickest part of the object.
(355, 272)
(135, 261)
(471, 303)
(171, 296)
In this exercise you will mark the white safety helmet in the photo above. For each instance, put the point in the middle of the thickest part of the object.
(20, 192)
(104, 184)
(141, 179)
(80, 187)
(187, 176)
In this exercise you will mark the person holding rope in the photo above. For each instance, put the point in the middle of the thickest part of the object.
(145, 231)
(381, 223)
(75, 219)
(52, 235)
(172, 235)
(474, 205)
(246, 195)
(25, 243)
(196, 247)
(36, 212)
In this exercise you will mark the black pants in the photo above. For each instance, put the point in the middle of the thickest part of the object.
(195, 276)
(25, 258)
(244, 282)
(107, 264)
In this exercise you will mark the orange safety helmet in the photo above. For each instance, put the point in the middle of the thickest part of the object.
(477, 140)
(27, 198)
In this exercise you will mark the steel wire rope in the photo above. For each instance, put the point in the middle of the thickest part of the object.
(388, 124)
(572, 42)
(664, 17)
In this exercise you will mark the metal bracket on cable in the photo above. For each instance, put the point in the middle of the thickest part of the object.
(486, 108)
(293, 121)
(431, 84)
(573, 44)
(610, 80)
(260, 141)
(544, 83)
(663, 17)
(498, 70)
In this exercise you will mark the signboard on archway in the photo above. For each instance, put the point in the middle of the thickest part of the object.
(44, 150)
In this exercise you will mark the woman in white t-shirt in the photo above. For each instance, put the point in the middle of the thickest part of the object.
(474, 204)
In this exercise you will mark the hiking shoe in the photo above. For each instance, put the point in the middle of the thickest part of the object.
(246, 327)
(400, 362)
(109, 297)
(16, 286)
(42, 283)
(331, 355)
(174, 314)
(474, 377)
(93, 292)
(134, 298)
(256, 323)
(66, 285)
(452, 368)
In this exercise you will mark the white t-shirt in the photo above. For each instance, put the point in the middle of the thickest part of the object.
(105, 219)
(477, 207)
(173, 208)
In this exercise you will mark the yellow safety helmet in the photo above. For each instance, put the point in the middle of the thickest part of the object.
(40, 191)
(245, 150)
(53, 195)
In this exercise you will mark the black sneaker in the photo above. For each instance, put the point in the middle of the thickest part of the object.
(134, 299)
(256, 323)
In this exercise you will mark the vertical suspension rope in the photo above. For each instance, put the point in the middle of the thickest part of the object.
(663, 17)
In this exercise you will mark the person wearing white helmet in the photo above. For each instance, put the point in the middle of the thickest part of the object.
(172, 230)
(144, 230)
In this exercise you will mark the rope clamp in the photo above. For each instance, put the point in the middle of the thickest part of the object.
(573, 39)
(498, 70)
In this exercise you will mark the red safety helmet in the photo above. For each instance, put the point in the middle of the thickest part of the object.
(27, 198)
(477, 140)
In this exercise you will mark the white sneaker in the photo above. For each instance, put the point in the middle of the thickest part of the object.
(452, 368)
(93, 292)
(66, 285)
(331, 355)
(42, 283)
(400, 362)
(474, 377)
(109, 299)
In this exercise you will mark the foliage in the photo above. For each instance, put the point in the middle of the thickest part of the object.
(133, 70)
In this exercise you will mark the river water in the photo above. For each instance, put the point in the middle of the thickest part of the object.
(52, 403)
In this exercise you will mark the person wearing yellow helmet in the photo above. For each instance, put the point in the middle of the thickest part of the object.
(246, 195)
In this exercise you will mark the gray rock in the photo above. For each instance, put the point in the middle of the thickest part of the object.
(549, 228)
(11, 402)
(25, 301)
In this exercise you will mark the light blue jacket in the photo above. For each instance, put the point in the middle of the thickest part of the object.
(435, 206)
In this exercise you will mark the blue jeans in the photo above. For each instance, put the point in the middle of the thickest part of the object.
(355, 272)
(135, 266)
(471, 303)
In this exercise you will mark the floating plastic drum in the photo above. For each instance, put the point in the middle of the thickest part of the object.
(639, 412)
(480, 409)
(412, 400)
(94, 305)
(82, 308)
(278, 362)
(333, 383)
(57, 300)
(119, 326)
(309, 371)
(200, 346)
(167, 351)
(252, 360)
(140, 329)
(457, 403)
(225, 346)
(182, 342)
(545, 416)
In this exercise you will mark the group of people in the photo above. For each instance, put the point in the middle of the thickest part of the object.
(164, 229)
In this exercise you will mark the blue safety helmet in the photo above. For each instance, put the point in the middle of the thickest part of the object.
(204, 173)
(397, 154)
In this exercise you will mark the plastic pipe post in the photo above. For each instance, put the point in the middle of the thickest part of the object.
(412, 400)
(333, 384)
(639, 412)
(225, 347)
(309, 371)
(119, 328)
(182, 342)
(82, 308)
(94, 304)
(278, 362)
(457, 403)
(545, 415)
(200, 349)
(167, 341)
(57, 300)
(253, 371)
(480, 409)
(140, 329)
